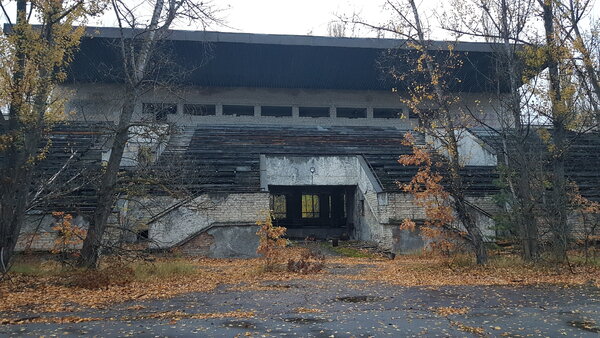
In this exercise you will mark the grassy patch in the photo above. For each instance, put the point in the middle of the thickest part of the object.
(348, 251)
(592, 260)
(142, 271)
(37, 268)
(163, 269)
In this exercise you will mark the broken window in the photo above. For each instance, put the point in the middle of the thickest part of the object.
(310, 206)
(142, 236)
(278, 205)
(276, 111)
(313, 112)
(387, 113)
(160, 111)
(352, 113)
(238, 110)
(199, 109)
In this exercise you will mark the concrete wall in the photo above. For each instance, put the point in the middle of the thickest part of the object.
(102, 102)
(205, 211)
(224, 242)
(309, 170)
(151, 140)
(472, 151)
(475, 152)
(37, 233)
(334, 170)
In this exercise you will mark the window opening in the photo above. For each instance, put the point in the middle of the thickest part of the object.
(278, 205)
(313, 112)
(160, 110)
(310, 206)
(387, 113)
(276, 111)
(238, 110)
(199, 109)
(351, 113)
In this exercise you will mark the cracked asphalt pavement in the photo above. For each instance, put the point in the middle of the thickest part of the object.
(339, 307)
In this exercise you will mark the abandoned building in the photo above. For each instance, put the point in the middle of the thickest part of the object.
(308, 127)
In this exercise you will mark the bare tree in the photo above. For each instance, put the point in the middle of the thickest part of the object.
(139, 44)
(546, 112)
(429, 96)
(505, 24)
(585, 62)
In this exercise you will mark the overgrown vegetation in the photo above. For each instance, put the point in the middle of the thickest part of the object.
(271, 242)
(545, 56)
(348, 251)
(113, 272)
(43, 285)
(307, 262)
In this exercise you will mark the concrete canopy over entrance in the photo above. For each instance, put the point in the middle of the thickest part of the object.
(317, 196)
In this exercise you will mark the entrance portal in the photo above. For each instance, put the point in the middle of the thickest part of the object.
(319, 211)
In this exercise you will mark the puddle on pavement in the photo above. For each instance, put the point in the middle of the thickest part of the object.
(243, 324)
(586, 325)
(281, 286)
(360, 299)
(305, 320)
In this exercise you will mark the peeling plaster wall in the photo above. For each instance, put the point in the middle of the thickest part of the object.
(472, 150)
(392, 208)
(487, 224)
(296, 170)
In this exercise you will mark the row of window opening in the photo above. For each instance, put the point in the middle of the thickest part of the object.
(162, 110)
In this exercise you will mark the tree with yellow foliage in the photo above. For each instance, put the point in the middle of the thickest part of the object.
(32, 64)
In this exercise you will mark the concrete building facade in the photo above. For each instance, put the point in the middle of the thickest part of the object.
(309, 128)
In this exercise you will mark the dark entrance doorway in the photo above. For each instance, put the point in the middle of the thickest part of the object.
(320, 211)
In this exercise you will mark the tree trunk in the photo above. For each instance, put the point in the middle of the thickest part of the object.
(15, 174)
(475, 234)
(136, 73)
(558, 217)
(521, 157)
(92, 245)
(457, 190)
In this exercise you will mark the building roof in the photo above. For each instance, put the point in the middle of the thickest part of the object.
(291, 40)
(219, 59)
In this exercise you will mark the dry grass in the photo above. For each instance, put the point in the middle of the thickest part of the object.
(35, 290)
(42, 286)
(462, 270)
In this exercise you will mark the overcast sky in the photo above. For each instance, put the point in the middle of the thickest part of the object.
(299, 17)
(281, 16)
(296, 17)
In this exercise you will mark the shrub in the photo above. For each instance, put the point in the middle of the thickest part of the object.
(69, 236)
(308, 262)
(270, 241)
